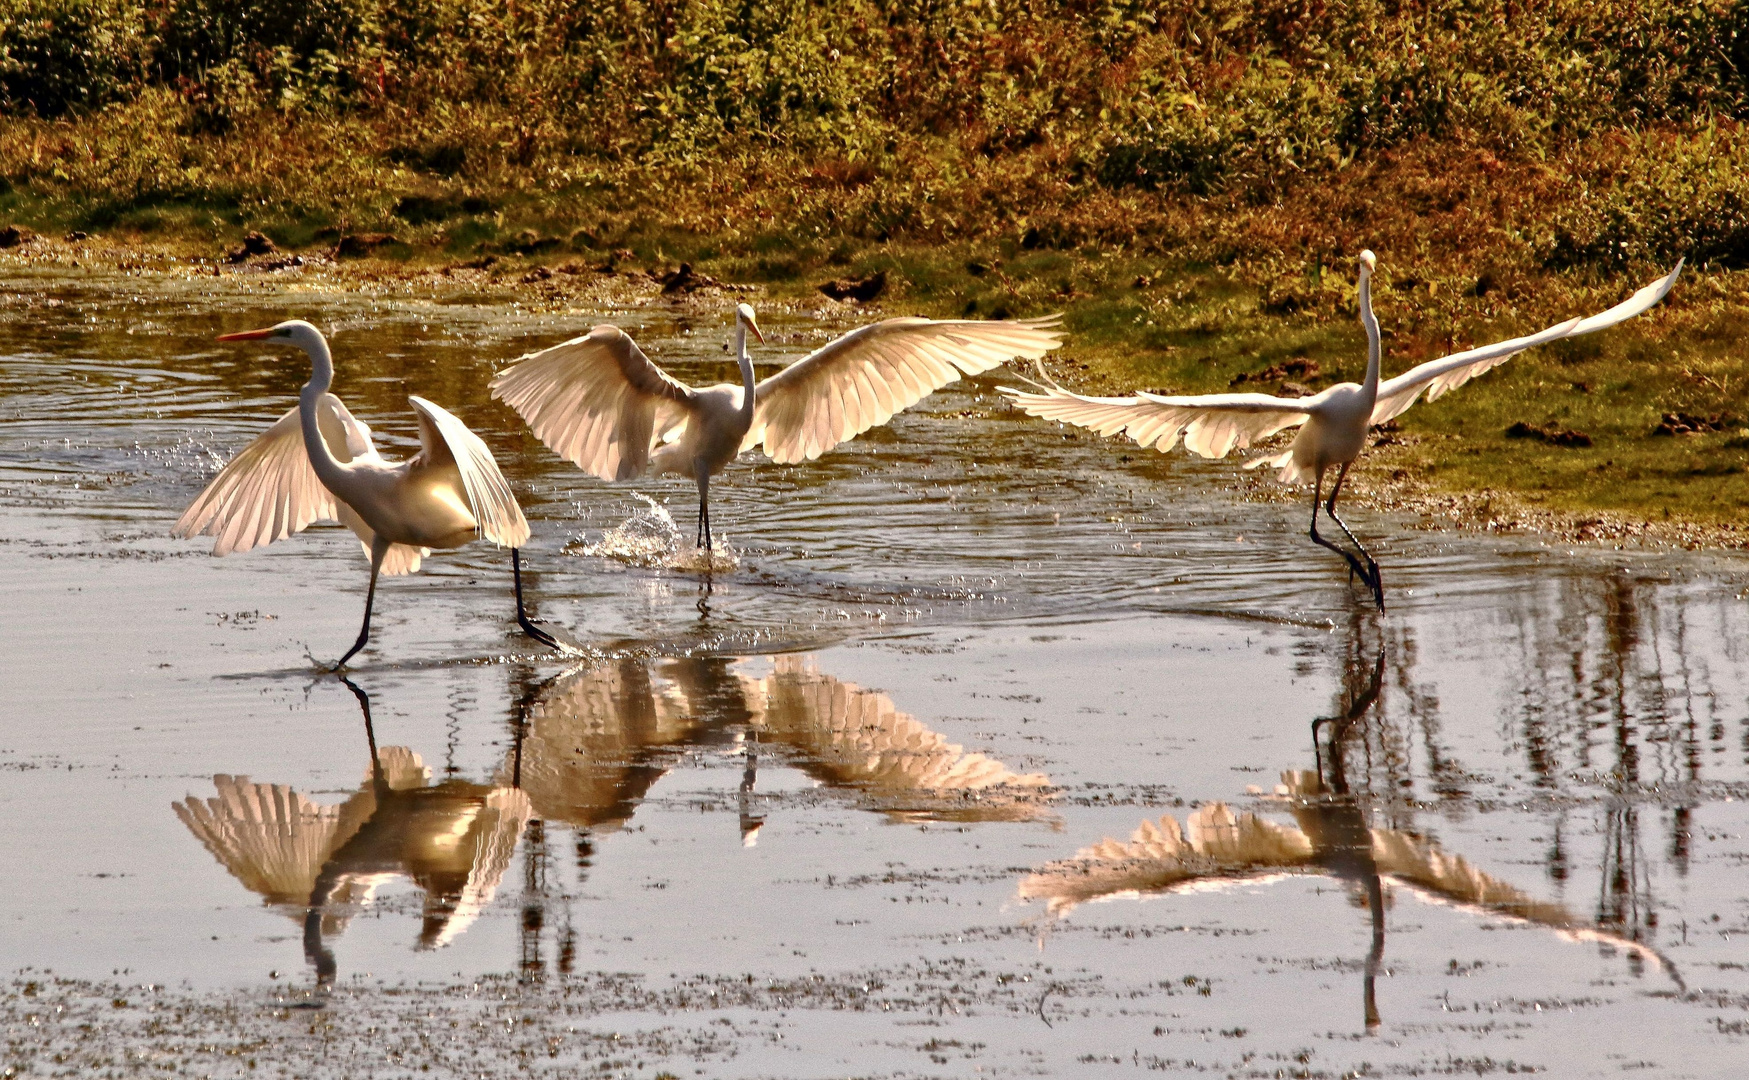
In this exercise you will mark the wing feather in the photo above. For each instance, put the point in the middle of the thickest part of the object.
(1436, 377)
(597, 401)
(863, 378)
(489, 496)
(1210, 425)
(269, 491)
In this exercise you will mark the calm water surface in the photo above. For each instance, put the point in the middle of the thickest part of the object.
(994, 754)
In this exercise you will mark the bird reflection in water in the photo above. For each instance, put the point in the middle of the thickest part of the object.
(597, 740)
(1331, 835)
(321, 863)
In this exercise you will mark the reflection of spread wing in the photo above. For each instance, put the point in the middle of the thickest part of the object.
(586, 757)
(495, 833)
(269, 837)
(855, 737)
(1218, 843)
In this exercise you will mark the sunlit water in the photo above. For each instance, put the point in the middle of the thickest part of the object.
(841, 805)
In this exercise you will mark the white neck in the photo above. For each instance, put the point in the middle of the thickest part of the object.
(746, 362)
(328, 469)
(1369, 388)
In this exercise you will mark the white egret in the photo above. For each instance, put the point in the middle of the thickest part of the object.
(599, 402)
(318, 463)
(1335, 421)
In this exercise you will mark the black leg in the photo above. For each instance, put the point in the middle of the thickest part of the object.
(378, 550)
(702, 472)
(522, 619)
(1370, 575)
(1367, 571)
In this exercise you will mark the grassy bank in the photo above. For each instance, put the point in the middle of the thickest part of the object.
(1189, 183)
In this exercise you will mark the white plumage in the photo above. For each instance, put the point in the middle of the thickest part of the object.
(1333, 424)
(317, 462)
(600, 403)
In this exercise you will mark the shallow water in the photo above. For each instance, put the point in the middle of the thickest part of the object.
(821, 813)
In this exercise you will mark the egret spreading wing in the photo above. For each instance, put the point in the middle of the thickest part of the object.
(269, 491)
(447, 441)
(1448, 373)
(861, 379)
(597, 401)
(1210, 425)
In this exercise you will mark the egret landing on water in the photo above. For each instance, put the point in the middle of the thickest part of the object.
(599, 402)
(317, 462)
(1335, 421)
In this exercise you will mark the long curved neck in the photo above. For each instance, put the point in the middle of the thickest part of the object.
(1370, 387)
(746, 362)
(328, 468)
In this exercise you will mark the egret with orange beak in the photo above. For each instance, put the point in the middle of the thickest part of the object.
(318, 463)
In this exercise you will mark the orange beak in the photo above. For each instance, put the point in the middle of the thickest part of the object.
(247, 335)
(755, 328)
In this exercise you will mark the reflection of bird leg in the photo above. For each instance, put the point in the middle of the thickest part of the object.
(378, 778)
(1375, 899)
(1369, 574)
(522, 619)
(317, 953)
(750, 822)
(379, 549)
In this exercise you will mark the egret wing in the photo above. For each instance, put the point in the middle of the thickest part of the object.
(1448, 373)
(597, 401)
(269, 491)
(861, 379)
(1210, 425)
(447, 441)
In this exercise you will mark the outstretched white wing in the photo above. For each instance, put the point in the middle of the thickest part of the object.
(861, 379)
(596, 401)
(269, 491)
(1448, 373)
(447, 442)
(1211, 425)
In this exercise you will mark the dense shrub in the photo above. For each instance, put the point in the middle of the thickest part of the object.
(934, 117)
(60, 55)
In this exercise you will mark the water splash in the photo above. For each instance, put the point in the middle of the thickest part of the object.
(650, 538)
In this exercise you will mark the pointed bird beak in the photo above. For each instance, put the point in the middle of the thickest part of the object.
(753, 326)
(247, 335)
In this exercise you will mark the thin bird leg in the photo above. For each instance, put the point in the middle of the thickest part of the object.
(522, 619)
(379, 549)
(1355, 566)
(1371, 575)
(704, 505)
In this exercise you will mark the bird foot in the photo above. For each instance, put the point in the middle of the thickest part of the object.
(534, 631)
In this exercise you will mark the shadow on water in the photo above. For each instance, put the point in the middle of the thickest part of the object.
(1334, 834)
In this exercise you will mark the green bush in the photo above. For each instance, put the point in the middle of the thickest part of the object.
(57, 56)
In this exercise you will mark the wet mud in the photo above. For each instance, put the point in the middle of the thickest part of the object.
(984, 748)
